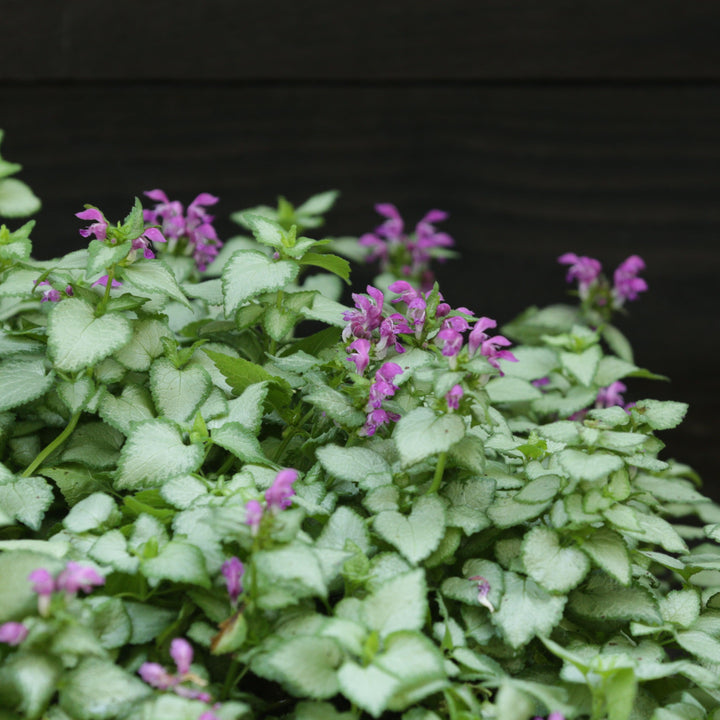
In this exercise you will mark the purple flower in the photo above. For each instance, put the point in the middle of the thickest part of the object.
(156, 675)
(233, 571)
(540, 382)
(610, 395)
(376, 418)
(143, 242)
(383, 386)
(279, 493)
(208, 715)
(389, 329)
(193, 694)
(427, 237)
(583, 269)
(453, 396)
(182, 653)
(103, 280)
(478, 335)
(489, 346)
(555, 715)
(253, 515)
(361, 356)
(483, 588)
(12, 633)
(627, 284)
(168, 215)
(98, 228)
(43, 582)
(452, 341)
(366, 317)
(77, 577)
(49, 293)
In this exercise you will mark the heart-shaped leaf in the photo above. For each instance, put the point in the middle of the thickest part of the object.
(417, 535)
(421, 433)
(178, 393)
(77, 339)
(554, 567)
(250, 272)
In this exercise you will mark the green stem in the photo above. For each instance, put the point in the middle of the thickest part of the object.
(290, 433)
(439, 470)
(106, 297)
(229, 677)
(56, 443)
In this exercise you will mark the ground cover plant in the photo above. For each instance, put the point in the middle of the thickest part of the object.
(225, 494)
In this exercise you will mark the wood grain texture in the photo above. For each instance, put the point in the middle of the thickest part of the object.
(527, 172)
(327, 39)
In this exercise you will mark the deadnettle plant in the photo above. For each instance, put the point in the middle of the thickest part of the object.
(211, 509)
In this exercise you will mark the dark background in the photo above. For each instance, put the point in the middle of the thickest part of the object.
(541, 127)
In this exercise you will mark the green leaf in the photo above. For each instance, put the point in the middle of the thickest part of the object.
(178, 393)
(241, 373)
(16, 245)
(469, 501)
(539, 490)
(23, 380)
(533, 363)
(618, 343)
(700, 644)
(287, 574)
(398, 604)
(660, 415)
(589, 466)
(603, 599)
(266, 231)
(421, 433)
(179, 562)
(325, 310)
(356, 464)
(418, 534)
(511, 389)
(97, 688)
(608, 551)
(506, 512)
(556, 568)
(332, 263)
(336, 406)
(582, 365)
(133, 406)
(367, 687)
(526, 610)
(145, 344)
(76, 393)
(183, 491)
(317, 204)
(103, 255)
(26, 499)
(147, 621)
(680, 607)
(17, 199)
(306, 666)
(620, 691)
(345, 524)
(112, 549)
(577, 398)
(241, 442)
(30, 679)
(77, 339)
(91, 513)
(110, 623)
(654, 529)
(610, 417)
(93, 444)
(154, 276)
(155, 452)
(249, 273)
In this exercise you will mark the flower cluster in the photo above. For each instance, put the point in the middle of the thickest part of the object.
(194, 226)
(404, 254)
(277, 497)
(156, 675)
(50, 294)
(588, 273)
(71, 580)
(101, 230)
(381, 389)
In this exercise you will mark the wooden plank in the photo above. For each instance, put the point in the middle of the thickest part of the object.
(326, 39)
(526, 173)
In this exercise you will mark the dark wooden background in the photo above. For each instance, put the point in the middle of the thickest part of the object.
(542, 127)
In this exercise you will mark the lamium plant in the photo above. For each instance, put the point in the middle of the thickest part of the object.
(225, 494)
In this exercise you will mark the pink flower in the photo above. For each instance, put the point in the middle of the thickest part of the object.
(389, 329)
(98, 228)
(452, 341)
(12, 633)
(376, 418)
(489, 346)
(103, 280)
(583, 269)
(77, 577)
(627, 284)
(143, 242)
(383, 386)
(182, 653)
(49, 293)
(168, 215)
(43, 582)
(361, 356)
(610, 395)
(233, 571)
(366, 317)
(208, 715)
(279, 493)
(483, 588)
(253, 515)
(156, 675)
(452, 397)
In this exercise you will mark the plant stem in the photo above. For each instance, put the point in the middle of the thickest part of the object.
(56, 443)
(100, 310)
(439, 470)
